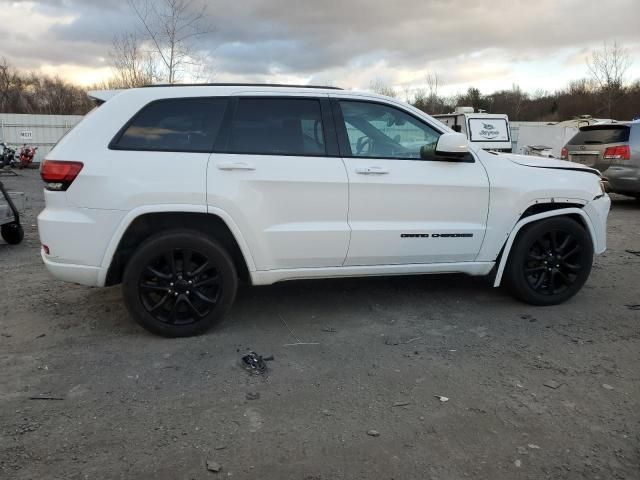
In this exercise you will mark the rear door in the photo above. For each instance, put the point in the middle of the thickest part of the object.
(276, 171)
(589, 145)
(403, 209)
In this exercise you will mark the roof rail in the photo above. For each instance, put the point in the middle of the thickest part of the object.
(237, 85)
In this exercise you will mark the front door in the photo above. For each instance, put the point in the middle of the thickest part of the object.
(403, 209)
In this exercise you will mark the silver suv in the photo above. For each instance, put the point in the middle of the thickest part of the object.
(612, 148)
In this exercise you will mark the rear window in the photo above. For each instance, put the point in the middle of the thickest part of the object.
(277, 126)
(596, 135)
(174, 125)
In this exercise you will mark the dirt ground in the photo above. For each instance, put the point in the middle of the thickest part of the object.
(374, 353)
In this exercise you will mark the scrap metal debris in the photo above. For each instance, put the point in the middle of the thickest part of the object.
(552, 384)
(46, 398)
(633, 306)
(373, 433)
(441, 398)
(254, 363)
(213, 466)
(252, 396)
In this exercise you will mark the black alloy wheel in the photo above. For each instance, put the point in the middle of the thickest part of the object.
(179, 283)
(550, 261)
(553, 262)
(180, 287)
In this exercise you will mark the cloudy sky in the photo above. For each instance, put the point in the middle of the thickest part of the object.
(491, 44)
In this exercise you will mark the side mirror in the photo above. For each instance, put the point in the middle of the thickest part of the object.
(451, 147)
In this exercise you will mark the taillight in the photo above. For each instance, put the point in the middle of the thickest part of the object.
(564, 153)
(619, 152)
(59, 174)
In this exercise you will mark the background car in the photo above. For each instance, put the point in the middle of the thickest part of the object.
(612, 148)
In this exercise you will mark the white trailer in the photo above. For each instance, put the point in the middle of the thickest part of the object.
(489, 131)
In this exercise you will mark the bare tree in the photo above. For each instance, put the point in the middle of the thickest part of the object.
(433, 101)
(517, 99)
(132, 65)
(381, 88)
(608, 67)
(171, 27)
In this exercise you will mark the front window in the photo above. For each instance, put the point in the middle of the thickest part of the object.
(376, 130)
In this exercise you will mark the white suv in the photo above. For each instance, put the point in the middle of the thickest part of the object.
(177, 192)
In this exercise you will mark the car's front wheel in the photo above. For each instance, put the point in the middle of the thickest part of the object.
(179, 284)
(550, 261)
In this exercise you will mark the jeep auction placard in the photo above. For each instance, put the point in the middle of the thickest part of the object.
(488, 130)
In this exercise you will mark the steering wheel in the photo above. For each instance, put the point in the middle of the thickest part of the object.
(362, 143)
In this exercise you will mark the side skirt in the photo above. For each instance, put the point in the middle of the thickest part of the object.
(267, 277)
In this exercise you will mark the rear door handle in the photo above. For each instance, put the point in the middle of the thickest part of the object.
(235, 166)
(372, 170)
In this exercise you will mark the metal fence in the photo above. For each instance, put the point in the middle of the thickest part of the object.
(42, 131)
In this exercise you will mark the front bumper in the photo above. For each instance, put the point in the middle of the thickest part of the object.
(598, 211)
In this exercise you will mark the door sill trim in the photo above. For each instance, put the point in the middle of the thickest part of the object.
(268, 277)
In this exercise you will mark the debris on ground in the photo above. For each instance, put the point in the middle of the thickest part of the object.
(393, 340)
(633, 252)
(518, 463)
(373, 433)
(329, 330)
(552, 384)
(213, 466)
(252, 396)
(606, 386)
(533, 446)
(254, 363)
(45, 398)
(401, 404)
(522, 451)
(326, 413)
(220, 447)
(441, 398)
(633, 306)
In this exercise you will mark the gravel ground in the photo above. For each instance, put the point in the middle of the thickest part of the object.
(374, 354)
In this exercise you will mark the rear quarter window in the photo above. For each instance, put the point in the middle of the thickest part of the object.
(601, 135)
(175, 125)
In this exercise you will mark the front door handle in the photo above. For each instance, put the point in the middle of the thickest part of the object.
(372, 170)
(235, 166)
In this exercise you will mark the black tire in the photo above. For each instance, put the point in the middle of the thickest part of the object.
(179, 284)
(549, 262)
(12, 233)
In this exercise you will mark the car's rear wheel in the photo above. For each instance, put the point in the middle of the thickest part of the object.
(179, 284)
(550, 261)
